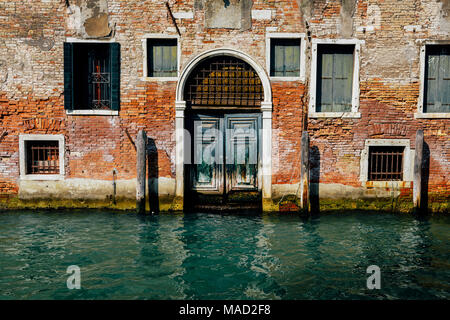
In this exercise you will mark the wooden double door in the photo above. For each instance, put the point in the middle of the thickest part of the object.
(225, 159)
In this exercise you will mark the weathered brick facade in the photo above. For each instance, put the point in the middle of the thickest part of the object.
(392, 32)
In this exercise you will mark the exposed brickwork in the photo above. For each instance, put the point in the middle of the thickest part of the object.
(32, 90)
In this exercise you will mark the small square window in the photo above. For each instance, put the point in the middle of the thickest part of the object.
(437, 79)
(162, 58)
(285, 57)
(386, 163)
(42, 157)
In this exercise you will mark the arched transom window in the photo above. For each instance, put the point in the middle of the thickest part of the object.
(223, 81)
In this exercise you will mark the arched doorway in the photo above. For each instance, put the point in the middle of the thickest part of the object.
(224, 153)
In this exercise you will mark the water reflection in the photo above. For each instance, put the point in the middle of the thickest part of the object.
(202, 256)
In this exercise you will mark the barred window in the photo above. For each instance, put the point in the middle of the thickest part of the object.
(42, 157)
(224, 81)
(91, 76)
(386, 163)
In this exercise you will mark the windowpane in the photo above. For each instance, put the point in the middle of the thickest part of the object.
(335, 78)
(285, 57)
(437, 86)
(162, 57)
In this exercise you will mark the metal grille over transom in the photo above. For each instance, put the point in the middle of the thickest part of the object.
(385, 163)
(224, 81)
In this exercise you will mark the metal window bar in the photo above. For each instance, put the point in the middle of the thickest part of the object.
(224, 81)
(386, 163)
(43, 157)
(99, 80)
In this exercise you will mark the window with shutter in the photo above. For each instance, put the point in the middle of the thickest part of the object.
(437, 76)
(335, 78)
(91, 76)
(162, 59)
(284, 57)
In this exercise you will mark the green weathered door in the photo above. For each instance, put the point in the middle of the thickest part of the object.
(228, 141)
(207, 167)
(242, 151)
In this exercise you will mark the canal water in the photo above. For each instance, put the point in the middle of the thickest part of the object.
(205, 256)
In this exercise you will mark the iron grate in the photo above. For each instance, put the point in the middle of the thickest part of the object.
(42, 157)
(386, 163)
(224, 81)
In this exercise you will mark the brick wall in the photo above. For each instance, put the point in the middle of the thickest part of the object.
(32, 101)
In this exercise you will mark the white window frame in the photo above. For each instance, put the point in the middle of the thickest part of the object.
(408, 161)
(302, 43)
(420, 114)
(91, 112)
(162, 36)
(23, 154)
(312, 113)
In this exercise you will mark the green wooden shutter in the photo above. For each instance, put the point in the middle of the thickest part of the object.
(279, 60)
(325, 93)
(115, 75)
(291, 59)
(68, 76)
(444, 79)
(342, 82)
(432, 101)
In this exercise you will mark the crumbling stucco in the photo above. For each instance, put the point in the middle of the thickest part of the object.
(348, 8)
(311, 9)
(89, 18)
(445, 16)
(229, 14)
(90, 189)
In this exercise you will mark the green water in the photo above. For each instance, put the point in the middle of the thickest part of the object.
(204, 256)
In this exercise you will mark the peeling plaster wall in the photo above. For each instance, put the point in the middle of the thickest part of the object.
(228, 14)
(89, 18)
(348, 8)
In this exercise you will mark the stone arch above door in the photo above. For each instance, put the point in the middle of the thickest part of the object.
(266, 109)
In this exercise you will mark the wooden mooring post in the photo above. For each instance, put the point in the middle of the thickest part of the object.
(417, 176)
(304, 174)
(141, 152)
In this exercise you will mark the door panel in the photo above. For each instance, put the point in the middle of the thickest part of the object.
(242, 151)
(207, 168)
